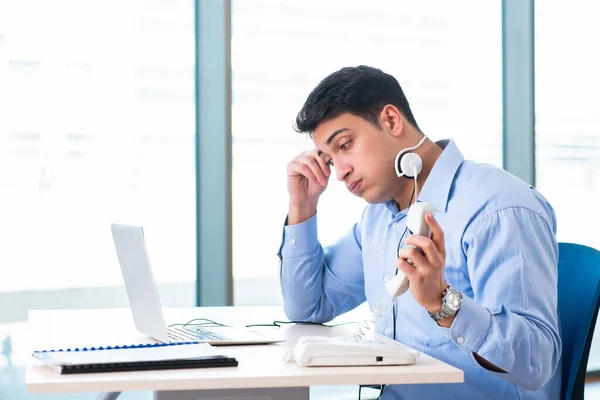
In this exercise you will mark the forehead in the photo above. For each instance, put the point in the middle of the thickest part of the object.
(349, 122)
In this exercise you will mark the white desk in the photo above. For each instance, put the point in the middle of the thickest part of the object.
(262, 372)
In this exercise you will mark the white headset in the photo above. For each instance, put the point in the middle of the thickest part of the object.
(409, 164)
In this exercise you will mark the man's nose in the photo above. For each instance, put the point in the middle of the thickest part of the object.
(341, 172)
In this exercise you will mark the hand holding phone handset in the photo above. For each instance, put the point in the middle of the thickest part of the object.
(415, 221)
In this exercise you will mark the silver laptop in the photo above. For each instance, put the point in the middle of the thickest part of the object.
(145, 303)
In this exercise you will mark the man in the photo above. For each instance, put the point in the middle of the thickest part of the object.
(493, 245)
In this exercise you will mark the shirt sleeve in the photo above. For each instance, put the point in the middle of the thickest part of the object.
(319, 284)
(512, 319)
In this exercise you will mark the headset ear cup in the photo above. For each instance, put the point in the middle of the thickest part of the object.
(406, 166)
(410, 162)
(399, 171)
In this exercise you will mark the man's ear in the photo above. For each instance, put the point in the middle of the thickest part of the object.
(392, 120)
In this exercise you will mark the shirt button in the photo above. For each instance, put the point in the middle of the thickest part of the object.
(386, 278)
(387, 331)
(395, 224)
(293, 241)
(460, 340)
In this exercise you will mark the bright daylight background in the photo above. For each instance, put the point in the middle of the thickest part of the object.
(97, 126)
(452, 79)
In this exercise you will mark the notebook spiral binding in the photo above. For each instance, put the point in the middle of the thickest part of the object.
(131, 346)
(368, 325)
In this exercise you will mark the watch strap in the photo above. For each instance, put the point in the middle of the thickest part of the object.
(445, 311)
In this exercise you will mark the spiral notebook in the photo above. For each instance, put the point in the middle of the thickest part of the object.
(140, 357)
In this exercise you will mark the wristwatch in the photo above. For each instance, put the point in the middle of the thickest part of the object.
(451, 301)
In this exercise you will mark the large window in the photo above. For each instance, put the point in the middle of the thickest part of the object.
(568, 122)
(446, 55)
(96, 126)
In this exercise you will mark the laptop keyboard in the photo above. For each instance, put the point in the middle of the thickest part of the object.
(195, 334)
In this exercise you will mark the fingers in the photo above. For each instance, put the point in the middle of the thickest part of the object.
(296, 168)
(414, 255)
(322, 162)
(427, 245)
(315, 168)
(437, 234)
(408, 270)
(311, 166)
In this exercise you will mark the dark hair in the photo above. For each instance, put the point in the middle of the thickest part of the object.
(362, 91)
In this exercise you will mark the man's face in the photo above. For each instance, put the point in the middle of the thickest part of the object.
(362, 155)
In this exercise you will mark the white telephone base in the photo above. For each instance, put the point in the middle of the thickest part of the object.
(313, 351)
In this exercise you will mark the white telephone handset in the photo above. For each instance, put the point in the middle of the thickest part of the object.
(416, 224)
(311, 351)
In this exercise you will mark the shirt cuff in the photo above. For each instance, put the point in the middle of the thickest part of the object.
(471, 325)
(300, 239)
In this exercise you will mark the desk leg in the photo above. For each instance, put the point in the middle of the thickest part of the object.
(108, 396)
(295, 393)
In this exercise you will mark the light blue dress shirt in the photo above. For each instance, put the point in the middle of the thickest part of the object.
(501, 253)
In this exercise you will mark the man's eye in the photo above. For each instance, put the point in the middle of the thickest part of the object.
(345, 145)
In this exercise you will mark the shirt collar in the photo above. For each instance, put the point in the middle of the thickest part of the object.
(437, 186)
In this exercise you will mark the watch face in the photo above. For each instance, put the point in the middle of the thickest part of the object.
(453, 299)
